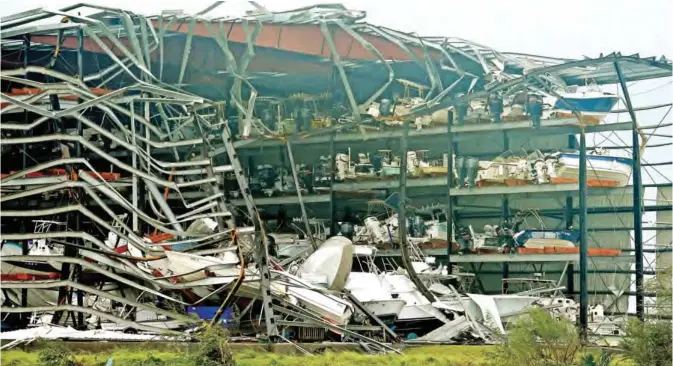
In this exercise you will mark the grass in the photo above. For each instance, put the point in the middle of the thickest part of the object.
(426, 355)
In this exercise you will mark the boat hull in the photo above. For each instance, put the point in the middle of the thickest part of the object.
(599, 104)
(386, 310)
(602, 171)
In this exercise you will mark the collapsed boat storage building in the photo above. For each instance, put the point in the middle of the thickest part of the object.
(307, 175)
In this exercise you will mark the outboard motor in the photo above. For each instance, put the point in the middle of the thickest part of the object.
(460, 169)
(342, 166)
(306, 118)
(268, 120)
(306, 177)
(271, 243)
(385, 108)
(461, 110)
(232, 121)
(464, 239)
(495, 107)
(471, 168)
(254, 185)
(267, 176)
(412, 162)
(374, 227)
(540, 172)
(377, 163)
(347, 229)
(417, 227)
(534, 109)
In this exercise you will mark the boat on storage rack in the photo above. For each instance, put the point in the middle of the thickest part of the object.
(602, 170)
(591, 105)
(544, 238)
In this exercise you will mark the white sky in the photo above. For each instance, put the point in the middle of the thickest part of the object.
(565, 28)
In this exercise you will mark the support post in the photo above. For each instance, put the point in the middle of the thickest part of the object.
(569, 218)
(637, 202)
(450, 185)
(304, 217)
(78, 153)
(24, 162)
(584, 298)
(505, 265)
(134, 178)
(402, 219)
(332, 204)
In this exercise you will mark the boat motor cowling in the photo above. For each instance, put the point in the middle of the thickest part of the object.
(377, 162)
(385, 109)
(471, 170)
(460, 169)
(534, 109)
(347, 229)
(461, 110)
(495, 107)
(268, 120)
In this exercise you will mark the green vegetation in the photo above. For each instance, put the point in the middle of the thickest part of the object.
(428, 355)
(537, 339)
(648, 343)
(51, 355)
(425, 355)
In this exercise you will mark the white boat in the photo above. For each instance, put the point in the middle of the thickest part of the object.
(477, 110)
(417, 307)
(602, 170)
(503, 170)
(591, 105)
(333, 259)
(36, 247)
(374, 295)
(390, 165)
(188, 263)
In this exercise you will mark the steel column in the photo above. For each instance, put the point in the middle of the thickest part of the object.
(402, 218)
(584, 298)
(637, 202)
(570, 218)
(24, 162)
(332, 204)
(78, 153)
(505, 217)
(449, 183)
(301, 201)
(134, 178)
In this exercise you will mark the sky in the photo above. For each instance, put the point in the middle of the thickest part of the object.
(567, 28)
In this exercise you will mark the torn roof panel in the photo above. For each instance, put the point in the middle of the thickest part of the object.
(292, 42)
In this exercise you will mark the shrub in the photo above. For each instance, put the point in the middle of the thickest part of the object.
(537, 339)
(214, 348)
(52, 355)
(648, 343)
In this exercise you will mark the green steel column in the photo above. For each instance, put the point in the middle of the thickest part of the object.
(78, 152)
(402, 219)
(449, 183)
(569, 218)
(637, 203)
(505, 265)
(505, 217)
(332, 204)
(584, 297)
